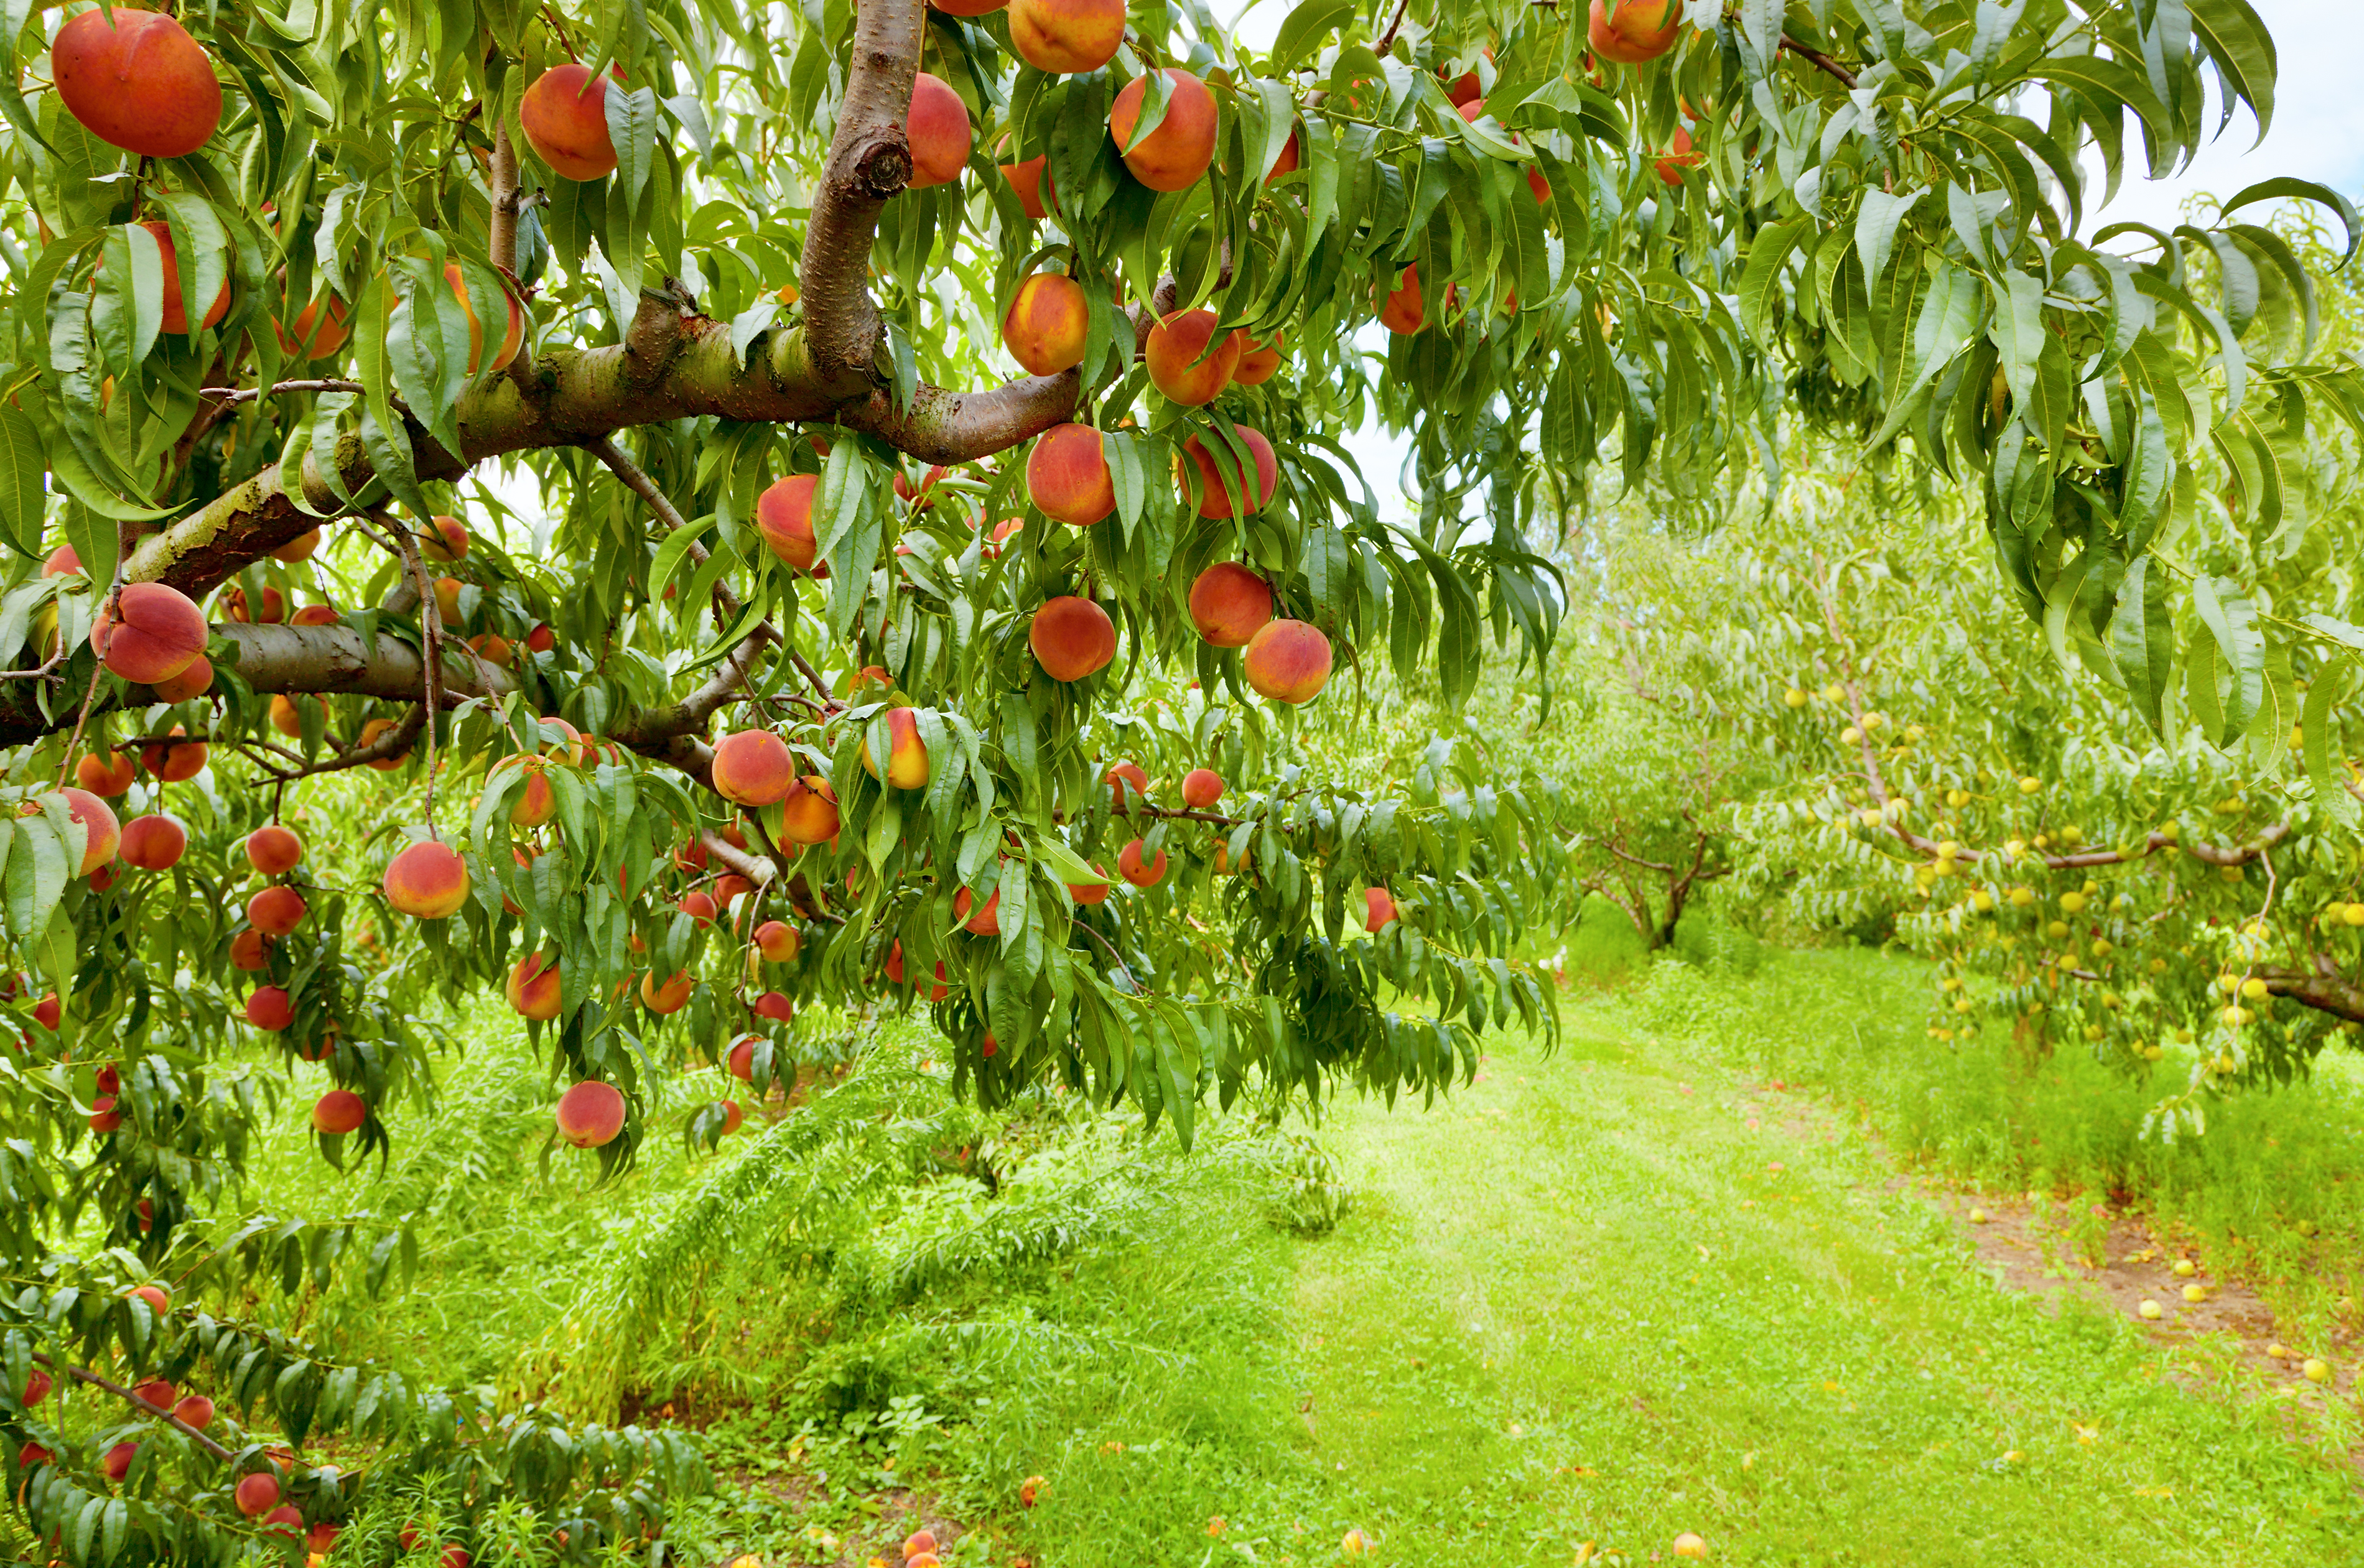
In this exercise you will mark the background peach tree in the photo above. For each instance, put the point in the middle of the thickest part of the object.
(822, 671)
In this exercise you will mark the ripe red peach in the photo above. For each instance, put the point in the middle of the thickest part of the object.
(752, 767)
(1176, 154)
(1215, 486)
(300, 549)
(784, 516)
(273, 850)
(1072, 638)
(1287, 661)
(700, 907)
(939, 132)
(159, 1299)
(564, 117)
(1378, 908)
(1402, 312)
(268, 1008)
(1201, 787)
(907, 754)
(1126, 783)
(730, 886)
(154, 633)
(1640, 31)
(286, 718)
(511, 341)
(591, 1114)
(1066, 38)
(443, 540)
(62, 562)
(250, 950)
(175, 316)
(428, 881)
(174, 762)
(106, 774)
(105, 1114)
(533, 987)
(1679, 155)
(339, 1110)
(1137, 867)
(1092, 892)
(1186, 361)
(314, 615)
(985, 921)
(808, 811)
(194, 1411)
(1067, 475)
(1229, 604)
(936, 992)
(774, 1005)
(117, 1460)
(740, 1061)
(541, 639)
(671, 996)
(1290, 158)
(493, 649)
(276, 911)
(320, 330)
(1258, 361)
(137, 81)
(153, 842)
(778, 941)
(101, 833)
(1049, 322)
(192, 681)
(918, 1543)
(734, 1118)
(1030, 182)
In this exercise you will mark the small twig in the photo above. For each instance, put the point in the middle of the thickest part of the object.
(79, 1375)
(1388, 38)
(1820, 61)
(393, 742)
(1128, 978)
(229, 394)
(54, 659)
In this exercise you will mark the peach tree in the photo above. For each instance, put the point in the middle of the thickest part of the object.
(940, 522)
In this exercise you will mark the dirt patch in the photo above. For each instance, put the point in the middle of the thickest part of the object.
(892, 1517)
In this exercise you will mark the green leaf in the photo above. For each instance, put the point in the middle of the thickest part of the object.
(2142, 640)
(1304, 28)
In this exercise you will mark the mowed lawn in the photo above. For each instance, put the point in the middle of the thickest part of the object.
(1588, 1301)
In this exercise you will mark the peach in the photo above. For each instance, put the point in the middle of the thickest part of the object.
(541, 639)
(48, 1011)
(443, 540)
(192, 681)
(862, 679)
(1640, 31)
(1066, 36)
(137, 82)
(339, 1110)
(907, 754)
(320, 330)
(1031, 181)
(1679, 155)
(567, 743)
(778, 941)
(533, 987)
(591, 1114)
(1258, 361)
(250, 950)
(564, 117)
(1291, 158)
(1002, 531)
(106, 775)
(159, 1299)
(62, 562)
(156, 1392)
(1092, 892)
(173, 763)
(105, 1114)
(730, 886)
(691, 857)
(1201, 787)
(286, 718)
(1072, 638)
(371, 733)
(101, 832)
(286, 1521)
(1229, 604)
(493, 649)
(740, 1061)
(699, 908)
(1217, 483)
(752, 767)
(671, 996)
(1186, 361)
(1118, 778)
(174, 317)
(31, 1455)
(808, 811)
(276, 911)
(153, 633)
(153, 842)
(429, 881)
(734, 1118)
(919, 1542)
(511, 341)
(196, 1412)
(1067, 475)
(273, 849)
(1378, 908)
(776, 1006)
(987, 920)
(118, 1461)
(269, 1010)
(1176, 154)
(1402, 312)
(1464, 88)
(784, 516)
(1049, 320)
(936, 992)
(312, 615)
(1288, 661)
(37, 1388)
(939, 132)
(300, 549)
(1135, 866)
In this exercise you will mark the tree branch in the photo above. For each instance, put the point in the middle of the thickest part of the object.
(503, 244)
(1820, 61)
(82, 1375)
(869, 162)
